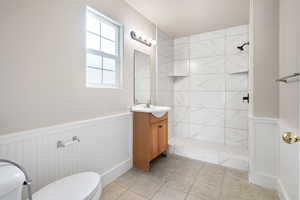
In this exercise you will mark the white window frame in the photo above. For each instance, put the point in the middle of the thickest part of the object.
(119, 51)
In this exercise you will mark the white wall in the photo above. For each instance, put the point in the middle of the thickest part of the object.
(289, 56)
(42, 74)
(264, 58)
(209, 99)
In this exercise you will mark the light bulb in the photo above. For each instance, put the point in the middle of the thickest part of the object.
(138, 34)
(144, 37)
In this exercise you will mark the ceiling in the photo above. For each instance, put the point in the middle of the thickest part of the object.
(185, 17)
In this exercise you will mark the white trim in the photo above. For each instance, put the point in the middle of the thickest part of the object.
(264, 119)
(103, 16)
(103, 86)
(263, 180)
(282, 193)
(112, 174)
(261, 128)
(7, 138)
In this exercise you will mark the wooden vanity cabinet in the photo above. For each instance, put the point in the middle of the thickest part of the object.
(150, 138)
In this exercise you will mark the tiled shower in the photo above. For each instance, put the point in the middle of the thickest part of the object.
(209, 78)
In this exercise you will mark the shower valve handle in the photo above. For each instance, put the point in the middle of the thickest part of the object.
(246, 98)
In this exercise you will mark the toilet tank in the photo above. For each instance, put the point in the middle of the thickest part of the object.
(11, 182)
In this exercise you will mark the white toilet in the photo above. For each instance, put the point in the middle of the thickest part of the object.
(82, 186)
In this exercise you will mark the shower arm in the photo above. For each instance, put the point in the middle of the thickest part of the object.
(243, 45)
(27, 181)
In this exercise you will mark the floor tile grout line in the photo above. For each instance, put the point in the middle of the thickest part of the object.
(194, 182)
(221, 185)
(123, 193)
(159, 189)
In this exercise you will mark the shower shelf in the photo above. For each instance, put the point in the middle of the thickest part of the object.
(178, 75)
(245, 71)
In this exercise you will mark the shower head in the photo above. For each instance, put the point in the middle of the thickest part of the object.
(242, 47)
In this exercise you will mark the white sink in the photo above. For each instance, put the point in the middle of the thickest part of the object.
(157, 111)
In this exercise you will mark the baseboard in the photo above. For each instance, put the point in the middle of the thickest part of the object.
(263, 180)
(112, 174)
(282, 191)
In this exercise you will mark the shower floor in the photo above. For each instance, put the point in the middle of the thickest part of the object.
(228, 156)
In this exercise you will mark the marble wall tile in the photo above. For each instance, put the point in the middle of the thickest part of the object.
(234, 100)
(237, 82)
(236, 30)
(182, 114)
(181, 66)
(232, 42)
(181, 129)
(165, 52)
(207, 116)
(165, 45)
(162, 35)
(207, 36)
(181, 52)
(171, 114)
(165, 68)
(237, 62)
(182, 84)
(211, 65)
(236, 137)
(165, 83)
(207, 133)
(207, 82)
(208, 99)
(236, 119)
(181, 40)
(181, 98)
(165, 98)
(207, 48)
(170, 129)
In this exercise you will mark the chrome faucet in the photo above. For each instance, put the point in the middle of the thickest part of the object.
(148, 104)
(27, 181)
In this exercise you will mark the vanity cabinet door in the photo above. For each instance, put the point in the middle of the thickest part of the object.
(159, 138)
(154, 140)
(162, 137)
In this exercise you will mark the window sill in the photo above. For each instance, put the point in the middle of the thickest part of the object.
(103, 87)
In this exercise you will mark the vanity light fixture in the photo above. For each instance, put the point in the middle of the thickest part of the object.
(138, 36)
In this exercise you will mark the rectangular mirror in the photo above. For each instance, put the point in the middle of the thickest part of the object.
(142, 77)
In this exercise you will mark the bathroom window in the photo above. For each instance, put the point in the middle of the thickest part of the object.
(104, 51)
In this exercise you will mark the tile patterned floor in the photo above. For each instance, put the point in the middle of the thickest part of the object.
(179, 178)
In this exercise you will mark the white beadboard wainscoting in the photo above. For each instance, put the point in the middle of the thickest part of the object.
(263, 146)
(105, 147)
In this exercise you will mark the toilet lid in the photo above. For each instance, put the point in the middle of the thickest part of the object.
(76, 187)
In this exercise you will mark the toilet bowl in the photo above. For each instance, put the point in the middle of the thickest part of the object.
(82, 186)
